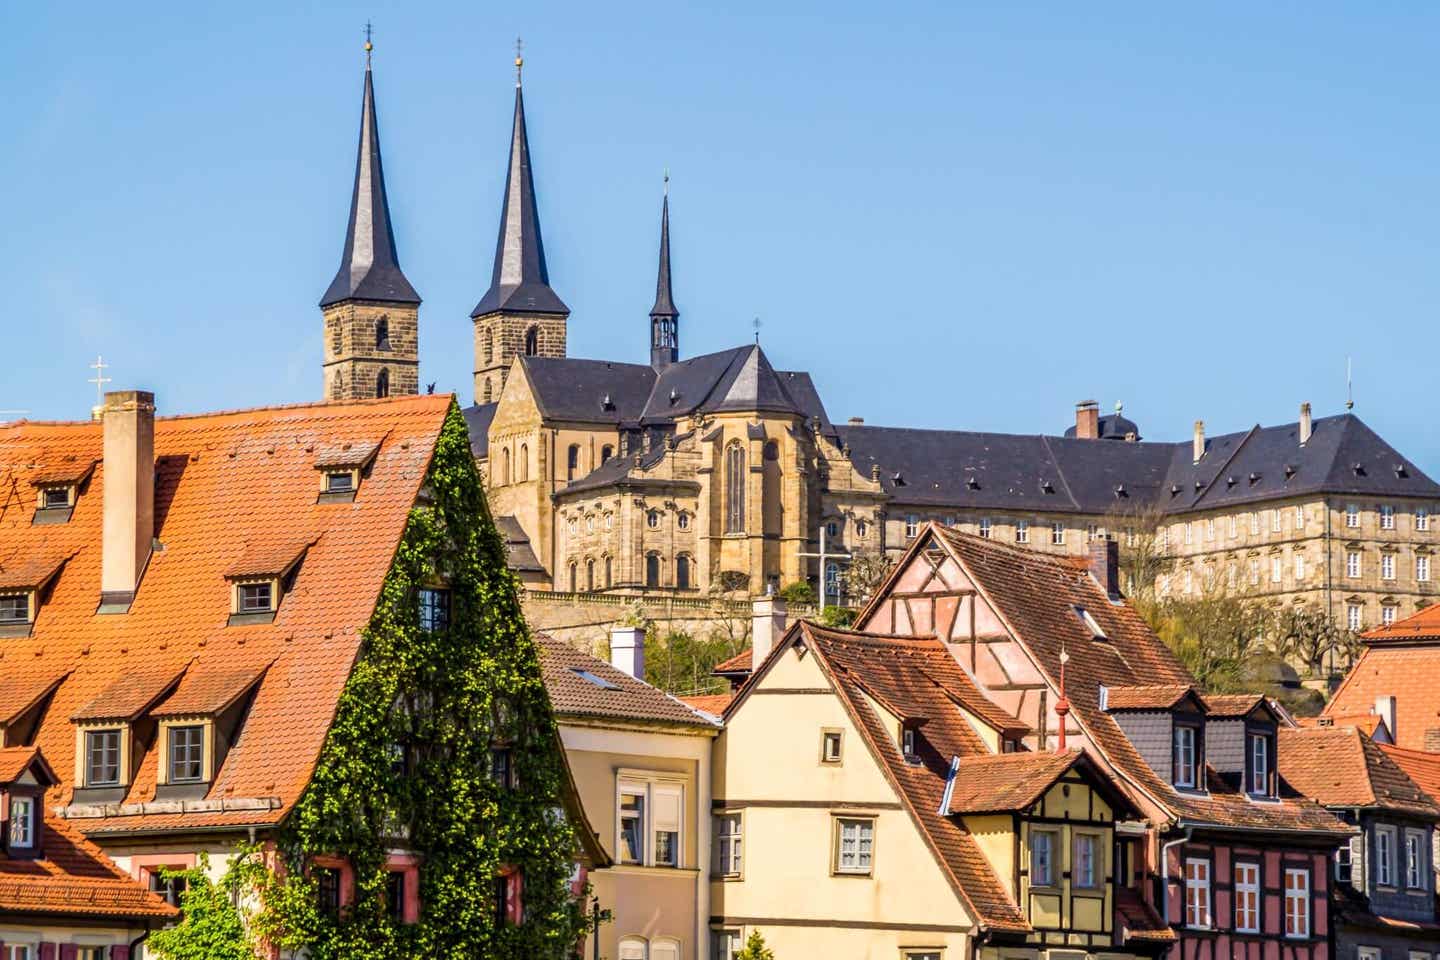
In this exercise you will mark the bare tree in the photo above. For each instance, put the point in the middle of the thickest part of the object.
(865, 573)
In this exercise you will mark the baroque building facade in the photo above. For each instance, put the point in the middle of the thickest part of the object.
(687, 475)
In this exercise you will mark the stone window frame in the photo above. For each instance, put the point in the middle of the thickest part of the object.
(838, 867)
(1387, 516)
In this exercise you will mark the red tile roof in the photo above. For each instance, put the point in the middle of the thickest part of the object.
(74, 878)
(711, 703)
(1367, 723)
(1405, 671)
(1036, 594)
(1421, 766)
(71, 469)
(1165, 696)
(222, 481)
(14, 761)
(740, 663)
(616, 695)
(1342, 767)
(998, 782)
(208, 688)
(1233, 705)
(1424, 624)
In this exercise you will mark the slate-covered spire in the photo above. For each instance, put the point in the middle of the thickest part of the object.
(664, 317)
(520, 283)
(369, 266)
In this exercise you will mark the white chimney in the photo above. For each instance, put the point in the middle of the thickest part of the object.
(1305, 427)
(627, 650)
(128, 475)
(1197, 445)
(1385, 709)
(767, 626)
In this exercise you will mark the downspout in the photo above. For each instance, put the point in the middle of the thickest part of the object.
(135, 944)
(1165, 872)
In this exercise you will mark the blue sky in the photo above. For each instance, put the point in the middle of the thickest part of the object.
(954, 214)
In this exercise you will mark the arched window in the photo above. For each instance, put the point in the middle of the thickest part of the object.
(573, 576)
(487, 395)
(633, 948)
(532, 341)
(382, 334)
(572, 461)
(832, 581)
(523, 467)
(682, 572)
(489, 347)
(734, 488)
(652, 569)
(589, 573)
(382, 384)
(608, 581)
(505, 467)
(664, 948)
(606, 452)
(652, 519)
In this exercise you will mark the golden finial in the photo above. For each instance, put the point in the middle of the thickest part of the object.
(519, 59)
(667, 181)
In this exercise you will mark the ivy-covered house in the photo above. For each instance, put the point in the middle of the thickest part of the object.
(288, 631)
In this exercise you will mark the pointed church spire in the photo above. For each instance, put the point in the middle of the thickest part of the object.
(369, 266)
(664, 317)
(520, 283)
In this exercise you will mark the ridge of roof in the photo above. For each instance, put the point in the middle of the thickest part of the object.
(618, 696)
(300, 406)
(1341, 766)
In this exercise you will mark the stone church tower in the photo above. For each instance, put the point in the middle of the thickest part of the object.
(519, 313)
(371, 312)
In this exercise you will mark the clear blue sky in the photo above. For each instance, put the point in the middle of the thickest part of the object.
(955, 214)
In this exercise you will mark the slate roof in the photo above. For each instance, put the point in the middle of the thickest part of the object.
(622, 469)
(1403, 669)
(1055, 474)
(519, 552)
(618, 696)
(520, 282)
(221, 480)
(1342, 767)
(369, 264)
(664, 296)
(1113, 426)
(1036, 595)
(478, 418)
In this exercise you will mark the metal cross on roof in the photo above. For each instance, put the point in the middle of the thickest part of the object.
(368, 44)
(756, 324)
(519, 58)
(99, 366)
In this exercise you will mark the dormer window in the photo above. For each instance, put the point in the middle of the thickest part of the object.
(24, 794)
(22, 822)
(1186, 755)
(255, 597)
(22, 583)
(342, 468)
(907, 744)
(102, 758)
(57, 487)
(340, 481)
(186, 747)
(1260, 764)
(261, 577)
(57, 498)
(14, 608)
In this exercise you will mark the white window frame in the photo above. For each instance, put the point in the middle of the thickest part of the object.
(649, 787)
(1275, 520)
(829, 738)
(1415, 871)
(1422, 519)
(1189, 533)
(1387, 614)
(1387, 517)
(1184, 740)
(1422, 568)
(1254, 523)
(1209, 528)
(858, 868)
(1303, 900)
(1299, 517)
(1057, 534)
(1080, 879)
(1200, 886)
(1051, 845)
(632, 948)
(22, 822)
(1247, 920)
(730, 844)
(1352, 516)
(1386, 844)
(1353, 565)
(726, 943)
(1234, 532)
(1022, 531)
(912, 525)
(1258, 755)
(1387, 566)
(664, 948)
(1254, 571)
(1277, 569)
(1299, 566)
(1354, 616)
(985, 527)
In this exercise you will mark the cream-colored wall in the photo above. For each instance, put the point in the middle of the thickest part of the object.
(768, 766)
(648, 902)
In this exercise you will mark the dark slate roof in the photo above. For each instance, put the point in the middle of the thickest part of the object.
(477, 421)
(664, 298)
(369, 266)
(621, 470)
(573, 389)
(1012, 471)
(520, 282)
(739, 379)
(520, 554)
(1113, 427)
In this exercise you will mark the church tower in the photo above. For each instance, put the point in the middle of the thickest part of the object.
(519, 313)
(371, 313)
(664, 317)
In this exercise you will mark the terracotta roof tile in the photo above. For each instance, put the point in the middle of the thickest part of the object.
(1367, 723)
(16, 760)
(1424, 624)
(1341, 767)
(32, 571)
(271, 554)
(711, 703)
(584, 686)
(209, 688)
(1153, 697)
(25, 685)
(1222, 705)
(70, 469)
(740, 663)
(1138, 919)
(222, 481)
(348, 454)
(999, 782)
(1403, 670)
(1419, 765)
(129, 695)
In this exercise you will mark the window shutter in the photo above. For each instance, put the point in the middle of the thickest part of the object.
(47, 951)
(667, 809)
(68, 951)
(120, 952)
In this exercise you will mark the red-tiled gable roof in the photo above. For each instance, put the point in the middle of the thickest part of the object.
(70, 469)
(209, 687)
(1233, 705)
(711, 703)
(74, 878)
(16, 760)
(1164, 696)
(222, 480)
(1366, 723)
(1036, 595)
(999, 782)
(740, 663)
(1405, 671)
(611, 695)
(30, 572)
(1341, 767)
(916, 672)
(271, 554)
(1421, 625)
(1420, 766)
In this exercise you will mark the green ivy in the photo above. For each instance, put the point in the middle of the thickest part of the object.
(213, 928)
(446, 697)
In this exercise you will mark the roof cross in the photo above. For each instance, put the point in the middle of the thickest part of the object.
(99, 366)
(519, 58)
(368, 45)
(756, 324)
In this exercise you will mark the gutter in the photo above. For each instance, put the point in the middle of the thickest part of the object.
(1165, 870)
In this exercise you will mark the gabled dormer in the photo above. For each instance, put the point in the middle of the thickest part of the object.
(342, 467)
(1241, 737)
(23, 584)
(1166, 724)
(57, 489)
(113, 732)
(24, 778)
(197, 724)
(262, 576)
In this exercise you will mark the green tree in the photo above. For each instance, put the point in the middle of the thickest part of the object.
(212, 927)
(755, 948)
(681, 663)
(798, 591)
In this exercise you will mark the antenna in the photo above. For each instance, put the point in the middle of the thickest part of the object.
(1349, 384)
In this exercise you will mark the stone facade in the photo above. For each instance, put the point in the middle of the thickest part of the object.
(371, 350)
(500, 338)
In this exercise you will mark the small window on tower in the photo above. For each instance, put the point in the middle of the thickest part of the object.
(532, 341)
(382, 384)
(382, 334)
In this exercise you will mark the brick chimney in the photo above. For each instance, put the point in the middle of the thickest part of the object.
(1087, 420)
(767, 626)
(129, 501)
(1305, 426)
(1105, 566)
(1197, 444)
(627, 651)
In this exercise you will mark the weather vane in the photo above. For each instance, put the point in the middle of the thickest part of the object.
(756, 324)
(519, 58)
(99, 366)
(368, 45)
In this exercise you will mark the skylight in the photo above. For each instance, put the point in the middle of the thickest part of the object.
(600, 682)
(1095, 632)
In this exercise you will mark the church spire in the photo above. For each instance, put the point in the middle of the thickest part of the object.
(369, 266)
(664, 317)
(520, 284)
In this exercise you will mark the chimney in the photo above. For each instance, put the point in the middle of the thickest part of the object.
(1197, 445)
(129, 502)
(1305, 427)
(1385, 708)
(627, 650)
(767, 626)
(857, 421)
(1105, 566)
(1087, 420)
